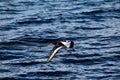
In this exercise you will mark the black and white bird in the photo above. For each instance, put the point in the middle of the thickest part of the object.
(58, 45)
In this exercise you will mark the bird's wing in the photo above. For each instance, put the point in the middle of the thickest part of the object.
(53, 52)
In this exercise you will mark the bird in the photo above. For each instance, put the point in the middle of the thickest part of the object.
(59, 45)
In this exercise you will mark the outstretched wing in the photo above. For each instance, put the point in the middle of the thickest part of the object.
(53, 52)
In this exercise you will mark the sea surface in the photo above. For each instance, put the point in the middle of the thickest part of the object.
(27, 27)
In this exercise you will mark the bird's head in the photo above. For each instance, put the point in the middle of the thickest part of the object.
(68, 43)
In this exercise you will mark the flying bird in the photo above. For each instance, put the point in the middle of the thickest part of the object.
(58, 45)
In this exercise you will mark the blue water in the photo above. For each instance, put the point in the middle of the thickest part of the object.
(27, 27)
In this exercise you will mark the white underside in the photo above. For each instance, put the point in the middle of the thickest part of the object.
(53, 54)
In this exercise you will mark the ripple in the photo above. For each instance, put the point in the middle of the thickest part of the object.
(110, 38)
(80, 55)
(9, 11)
(4, 70)
(94, 28)
(7, 28)
(91, 60)
(27, 63)
(93, 12)
(8, 78)
(35, 21)
(45, 73)
(82, 61)
(98, 44)
(99, 11)
(100, 77)
(114, 52)
(10, 55)
(11, 43)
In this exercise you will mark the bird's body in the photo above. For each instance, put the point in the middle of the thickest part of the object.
(58, 45)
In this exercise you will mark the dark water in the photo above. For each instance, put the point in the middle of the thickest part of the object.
(28, 26)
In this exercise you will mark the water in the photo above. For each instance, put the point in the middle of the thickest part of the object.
(28, 26)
